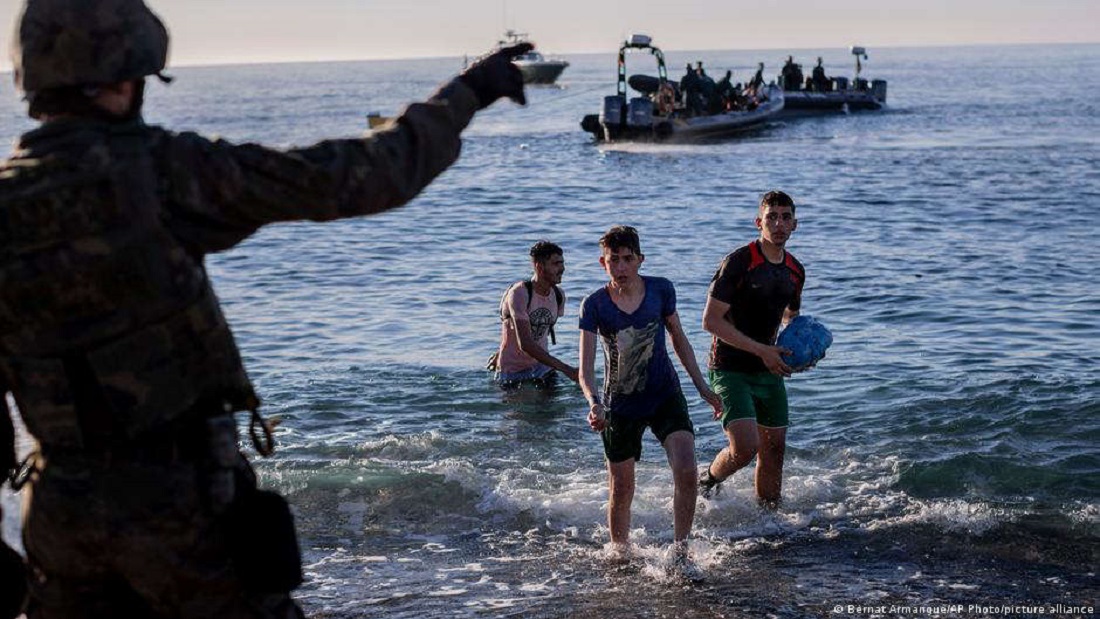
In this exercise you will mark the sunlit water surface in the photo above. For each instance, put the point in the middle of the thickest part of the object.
(946, 451)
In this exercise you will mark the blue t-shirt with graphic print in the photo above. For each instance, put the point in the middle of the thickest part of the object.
(638, 374)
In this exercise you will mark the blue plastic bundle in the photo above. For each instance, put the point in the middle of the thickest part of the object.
(807, 339)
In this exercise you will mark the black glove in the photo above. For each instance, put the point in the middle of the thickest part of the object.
(494, 76)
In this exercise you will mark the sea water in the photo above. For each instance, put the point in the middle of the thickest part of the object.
(946, 452)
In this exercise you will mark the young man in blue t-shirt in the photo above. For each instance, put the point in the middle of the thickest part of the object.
(630, 316)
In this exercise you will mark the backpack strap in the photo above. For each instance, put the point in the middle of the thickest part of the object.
(530, 286)
(559, 296)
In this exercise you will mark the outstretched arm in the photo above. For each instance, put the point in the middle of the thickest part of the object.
(216, 194)
(715, 323)
(531, 348)
(686, 355)
(587, 374)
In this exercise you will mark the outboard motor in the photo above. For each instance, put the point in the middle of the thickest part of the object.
(641, 112)
(611, 116)
(878, 90)
(612, 112)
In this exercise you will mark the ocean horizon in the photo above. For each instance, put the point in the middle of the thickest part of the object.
(945, 455)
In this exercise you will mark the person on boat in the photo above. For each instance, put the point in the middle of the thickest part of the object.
(708, 90)
(739, 100)
(630, 315)
(725, 91)
(528, 312)
(757, 80)
(755, 289)
(112, 341)
(689, 90)
(792, 75)
(820, 80)
(665, 98)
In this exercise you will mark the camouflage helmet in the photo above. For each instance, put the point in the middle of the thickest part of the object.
(86, 43)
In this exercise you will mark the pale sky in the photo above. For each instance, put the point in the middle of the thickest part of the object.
(229, 31)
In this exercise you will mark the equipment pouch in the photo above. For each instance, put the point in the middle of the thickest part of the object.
(221, 461)
(263, 544)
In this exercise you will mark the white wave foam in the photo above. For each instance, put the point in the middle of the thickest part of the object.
(421, 446)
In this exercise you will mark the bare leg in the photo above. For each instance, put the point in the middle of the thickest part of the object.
(620, 487)
(743, 441)
(769, 466)
(680, 448)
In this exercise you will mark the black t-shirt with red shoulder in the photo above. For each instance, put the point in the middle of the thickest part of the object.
(757, 292)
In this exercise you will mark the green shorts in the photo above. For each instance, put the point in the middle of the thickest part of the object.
(622, 438)
(751, 395)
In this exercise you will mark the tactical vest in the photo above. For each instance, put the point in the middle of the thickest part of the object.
(108, 325)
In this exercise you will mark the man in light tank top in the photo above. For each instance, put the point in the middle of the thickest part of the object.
(528, 312)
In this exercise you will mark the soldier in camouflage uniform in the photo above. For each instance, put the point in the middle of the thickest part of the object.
(112, 341)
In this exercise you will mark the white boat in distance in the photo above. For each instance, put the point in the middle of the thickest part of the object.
(536, 69)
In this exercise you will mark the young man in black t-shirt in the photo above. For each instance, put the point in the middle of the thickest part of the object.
(756, 288)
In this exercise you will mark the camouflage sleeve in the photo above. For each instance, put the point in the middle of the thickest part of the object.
(217, 193)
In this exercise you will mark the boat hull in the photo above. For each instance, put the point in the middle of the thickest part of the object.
(806, 102)
(696, 128)
(546, 72)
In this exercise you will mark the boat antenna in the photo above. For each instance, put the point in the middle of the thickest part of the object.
(858, 51)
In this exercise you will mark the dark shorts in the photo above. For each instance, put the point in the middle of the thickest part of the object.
(622, 438)
(538, 376)
(761, 396)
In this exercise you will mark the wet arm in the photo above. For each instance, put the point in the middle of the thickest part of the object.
(715, 323)
(597, 418)
(586, 372)
(531, 348)
(684, 350)
(686, 354)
